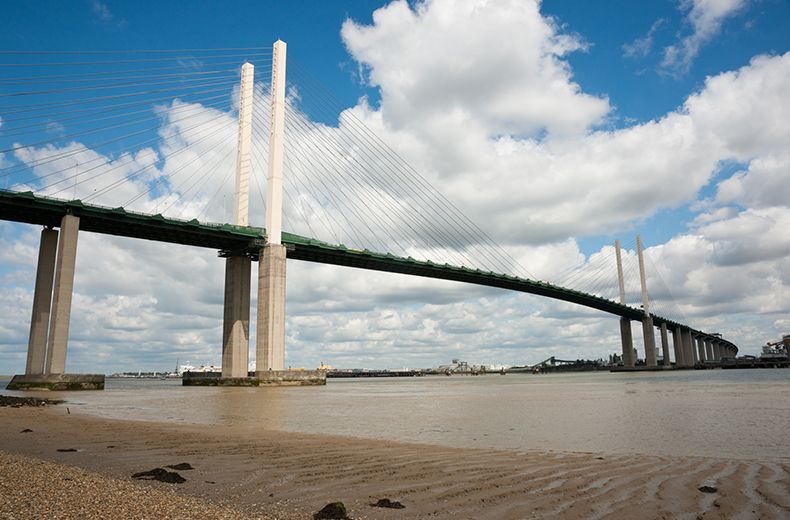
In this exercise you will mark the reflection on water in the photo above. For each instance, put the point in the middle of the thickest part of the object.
(738, 413)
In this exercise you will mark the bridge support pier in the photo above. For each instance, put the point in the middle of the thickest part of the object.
(42, 303)
(665, 345)
(48, 342)
(677, 344)
(627, 341)
(701, 349)
(688, 348)
(709, 355)
(236, 322)
(61, 295)
(650, 341)
(270, 336)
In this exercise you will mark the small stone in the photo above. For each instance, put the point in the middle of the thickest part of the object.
(386, 502)
(26, 430)
(181, 466)
(66, 450)
(708, 489)
(333, 511)
(160, 474)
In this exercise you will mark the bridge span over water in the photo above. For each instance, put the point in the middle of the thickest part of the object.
(240, 244)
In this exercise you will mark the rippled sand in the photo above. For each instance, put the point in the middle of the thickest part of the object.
(267, 473)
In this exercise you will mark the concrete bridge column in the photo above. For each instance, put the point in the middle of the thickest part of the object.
(650, 341)
(627, 341)
(42, 302)
(236, 317)
(688, 352)
(717, 352)
(61, 297)
(665, 345)
(677, 344)
(647, 322)
(700, 349)
(270, 340)
(270, 337)
(709, 350)
(236, 320)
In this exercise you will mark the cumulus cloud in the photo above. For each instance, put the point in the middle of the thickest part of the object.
(706, 18)
(436, 67)
(762, 184)
(533, 190)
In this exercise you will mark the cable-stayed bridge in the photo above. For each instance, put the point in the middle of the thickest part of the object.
(144, 146)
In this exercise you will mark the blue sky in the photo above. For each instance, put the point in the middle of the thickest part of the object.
(603, 120)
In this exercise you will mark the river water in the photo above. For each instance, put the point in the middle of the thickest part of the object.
(719, 413)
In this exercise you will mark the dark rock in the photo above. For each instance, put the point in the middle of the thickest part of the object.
(160, 474)
(110, 446)
(181, 466)
(333, 511)
(26, 430)
(386, 502)
(708, 489)
(18, 402)
(64, 450)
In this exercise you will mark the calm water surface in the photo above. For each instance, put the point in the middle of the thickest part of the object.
(737, 413)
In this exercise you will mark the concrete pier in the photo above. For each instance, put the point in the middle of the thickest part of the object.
(270, 334)
(665, 345)
(650, 341)
(677, 344)
(701, 349)
(236, 321)
(42, 302)
(709, 350)
(688, 348)
(647, 322)
(61, 297)
(57, 382)
(627, 341)
(49, 324)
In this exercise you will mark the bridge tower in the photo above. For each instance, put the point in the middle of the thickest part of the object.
(626, 337)
(236, 316)
(270, 334)
(647, 322)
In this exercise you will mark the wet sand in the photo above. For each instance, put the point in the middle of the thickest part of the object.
(273, 474)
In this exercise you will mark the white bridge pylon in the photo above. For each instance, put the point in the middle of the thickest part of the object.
(270, 338)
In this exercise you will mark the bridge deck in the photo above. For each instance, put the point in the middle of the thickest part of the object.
(228, 239)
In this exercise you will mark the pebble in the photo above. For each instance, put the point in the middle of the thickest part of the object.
(33, 488)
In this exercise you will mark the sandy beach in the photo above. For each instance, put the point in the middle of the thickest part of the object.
(271, 474)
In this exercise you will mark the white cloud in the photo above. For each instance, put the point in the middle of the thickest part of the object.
(706, 18)
(763, 184)
(437, 67)
(101, 11)
(641, 47)
(526, 190)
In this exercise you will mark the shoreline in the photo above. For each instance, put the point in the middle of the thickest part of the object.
(260, 472)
